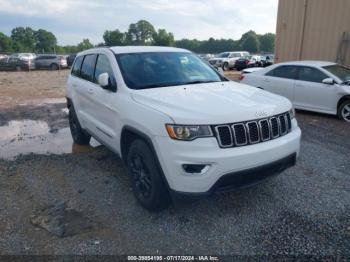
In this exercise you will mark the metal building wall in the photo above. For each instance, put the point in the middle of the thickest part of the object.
(313, 29)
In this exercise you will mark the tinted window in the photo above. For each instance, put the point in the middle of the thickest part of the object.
(284, 72)
(159, 69)
(77, 66)
(311, 74)
(88, 67)
(339, 71)
(103, 66)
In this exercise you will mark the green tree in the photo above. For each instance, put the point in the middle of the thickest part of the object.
(5, 43)
(24, 39)
(163, 38)
(140, 33)
(267, 42)
(115, 37)
(85, 44)
(250, 42)
(193, 45)
(46, 41)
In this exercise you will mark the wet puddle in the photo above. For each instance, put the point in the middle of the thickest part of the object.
(28, 136)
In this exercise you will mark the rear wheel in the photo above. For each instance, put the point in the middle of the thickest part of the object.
(79, 136)
(225, 67)
(54, 67)
(147, 181)
(344, 111)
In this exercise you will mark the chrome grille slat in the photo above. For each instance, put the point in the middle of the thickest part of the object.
(237, 129)
(253, 132)
(222, 138)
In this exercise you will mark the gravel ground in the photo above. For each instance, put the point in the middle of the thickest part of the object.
(305, 210)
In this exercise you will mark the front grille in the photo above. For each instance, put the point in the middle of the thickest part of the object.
(212, 62)
(253, 132)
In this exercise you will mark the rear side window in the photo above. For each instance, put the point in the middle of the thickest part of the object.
(77, 66)
(288, 72)
(310, 74)
(88, 68)
(103, 66)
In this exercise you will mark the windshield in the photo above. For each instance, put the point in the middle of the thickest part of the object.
(160, 69)
(339, 71)
(223, 55)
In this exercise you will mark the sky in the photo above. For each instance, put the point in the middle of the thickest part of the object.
(73, 20)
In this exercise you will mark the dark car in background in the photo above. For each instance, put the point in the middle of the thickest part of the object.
(248, 62)
(18, 62)
(53, 62)
(70, 59)
(267, 60)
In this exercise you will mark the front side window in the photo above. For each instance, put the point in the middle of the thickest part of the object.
(103, 66)
(77, 66)
(288, 72)
(224, 55)
(339, 71)
(310, 74)
(88, 68)
(160, 69)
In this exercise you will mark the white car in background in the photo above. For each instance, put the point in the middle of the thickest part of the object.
(311, 85)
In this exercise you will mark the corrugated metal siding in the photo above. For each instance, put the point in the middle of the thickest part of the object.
(316, 35)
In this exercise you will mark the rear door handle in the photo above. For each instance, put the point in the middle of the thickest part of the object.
(266, 80)
(90, 91)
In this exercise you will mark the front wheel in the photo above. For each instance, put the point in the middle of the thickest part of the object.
(79, 136)
(344, 111)
(147, 181)
(226, 67)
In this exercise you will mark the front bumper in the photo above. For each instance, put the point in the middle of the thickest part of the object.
(174, 154)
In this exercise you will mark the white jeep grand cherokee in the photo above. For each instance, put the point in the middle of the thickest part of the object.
(181, 128)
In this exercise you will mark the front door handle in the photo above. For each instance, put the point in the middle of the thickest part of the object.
(266, 80)
(90, 91)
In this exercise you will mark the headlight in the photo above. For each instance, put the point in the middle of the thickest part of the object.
(188, 133)
(292, 113)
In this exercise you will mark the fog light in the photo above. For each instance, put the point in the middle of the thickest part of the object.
(195, 169)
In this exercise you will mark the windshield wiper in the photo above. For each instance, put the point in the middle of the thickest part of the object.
(177, 84)
(200, 82)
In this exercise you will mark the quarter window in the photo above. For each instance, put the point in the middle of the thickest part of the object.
(310, 74)
(288, 72)
(77, 66)
(88, 67)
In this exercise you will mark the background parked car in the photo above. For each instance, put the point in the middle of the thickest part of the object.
(53, 62)
(70, 59)
(311, 85)
(267, 60)
(227, 60)
(3, 56)
(248, 62)
(18, 62)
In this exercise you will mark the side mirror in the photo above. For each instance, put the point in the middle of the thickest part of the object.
(103, 80)
(328, 81)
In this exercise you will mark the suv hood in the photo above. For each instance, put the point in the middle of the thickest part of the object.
(212, 103)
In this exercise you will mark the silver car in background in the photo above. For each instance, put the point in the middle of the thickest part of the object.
(52, 62)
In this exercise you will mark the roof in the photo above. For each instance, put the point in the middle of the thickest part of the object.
(141, 49)
(309, 63)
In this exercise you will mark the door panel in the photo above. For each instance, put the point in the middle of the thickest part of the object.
(281, 81)
(311, 93)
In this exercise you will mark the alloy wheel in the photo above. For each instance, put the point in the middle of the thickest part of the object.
(346, 112)
(141, 176)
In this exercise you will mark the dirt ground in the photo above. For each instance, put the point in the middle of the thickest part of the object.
(57, 198)
(31, 88)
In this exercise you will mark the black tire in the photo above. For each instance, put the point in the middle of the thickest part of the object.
(225, 66)
(54, 67)
(344, 111)
(147, 181)
(79, 136)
